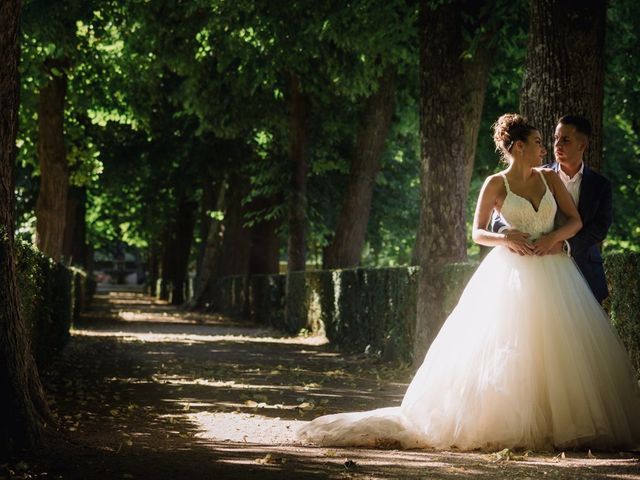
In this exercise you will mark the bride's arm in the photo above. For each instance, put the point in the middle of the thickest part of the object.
(516, 241)
(567, 207)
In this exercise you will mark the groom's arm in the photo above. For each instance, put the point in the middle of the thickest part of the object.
(497, 223)
(594, 231)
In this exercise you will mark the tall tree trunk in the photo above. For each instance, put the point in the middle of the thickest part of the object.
(351, 229)
(153, 264)
(75, 246)
(166, 262)
(564, 71)
(182, 238)
(51, 205)
(207, 204)
(476, 75)
(299, 152)
(236, 238)
(23, 408)
(213, 240)
(232, 253)
(265, 244)
(441, 232)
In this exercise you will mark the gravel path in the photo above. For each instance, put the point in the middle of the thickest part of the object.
(146, 391)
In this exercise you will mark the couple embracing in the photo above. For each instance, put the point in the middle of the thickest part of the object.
(591, 193)
(528, 358)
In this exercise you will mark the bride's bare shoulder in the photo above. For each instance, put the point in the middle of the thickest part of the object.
(494, 183)
(495, 179)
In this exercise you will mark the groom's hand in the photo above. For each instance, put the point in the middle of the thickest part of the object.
(545, 245)
(556, 249)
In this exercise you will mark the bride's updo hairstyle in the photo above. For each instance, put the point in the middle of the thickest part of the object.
(507, 130)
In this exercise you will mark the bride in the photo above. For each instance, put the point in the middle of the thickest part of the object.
(528, 358)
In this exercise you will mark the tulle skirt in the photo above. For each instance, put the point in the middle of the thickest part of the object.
(527, 359)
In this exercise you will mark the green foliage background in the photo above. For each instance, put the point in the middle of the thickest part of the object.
(162, 92)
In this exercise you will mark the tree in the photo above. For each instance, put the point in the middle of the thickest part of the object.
(23, 408)
(68, 50)
(299, 157)
(75, 247)
(53, 29)
(211, 241)
(621, 156)
(351, 229)
(565, 68)
(441, 232)
(51, 206)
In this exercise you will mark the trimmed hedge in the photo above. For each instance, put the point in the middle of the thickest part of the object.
(375, 309)
(51, 297)
(357, 309)
(623, 304)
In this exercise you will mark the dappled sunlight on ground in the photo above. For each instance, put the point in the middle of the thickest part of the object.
(189, 338)
(150, 391)
(244, 427)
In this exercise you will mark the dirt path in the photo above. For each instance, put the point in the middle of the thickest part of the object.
(145, 391)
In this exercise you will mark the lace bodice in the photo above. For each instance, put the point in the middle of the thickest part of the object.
(518, 212)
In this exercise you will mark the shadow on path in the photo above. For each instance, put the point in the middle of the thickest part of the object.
(145, 390)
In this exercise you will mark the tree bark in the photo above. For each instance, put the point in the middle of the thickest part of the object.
(476, 75)
(299, 152)
(265, 244)
(236, 238)
(441, 232)
(564, 71)
(24, 412)
(351, 229)
(75, 246)
(182, 237)
(213, 240)
(207, 204)
(153, 264)
(51, 205)
(166, 262)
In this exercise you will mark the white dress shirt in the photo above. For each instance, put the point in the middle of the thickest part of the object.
(573, 183)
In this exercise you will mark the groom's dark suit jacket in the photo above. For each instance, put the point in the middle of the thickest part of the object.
(595, 209)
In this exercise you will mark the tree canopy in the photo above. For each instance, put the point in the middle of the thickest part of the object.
(162, 93)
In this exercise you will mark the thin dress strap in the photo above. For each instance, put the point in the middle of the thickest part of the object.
(506, 182)
(544, 180)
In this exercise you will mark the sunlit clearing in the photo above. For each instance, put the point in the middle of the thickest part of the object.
(229, 385)
(243, 427)
(190, 338)
(171, 316)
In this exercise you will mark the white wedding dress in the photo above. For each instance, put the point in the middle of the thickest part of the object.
(527, 359)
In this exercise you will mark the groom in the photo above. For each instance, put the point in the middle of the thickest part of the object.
(592, 194)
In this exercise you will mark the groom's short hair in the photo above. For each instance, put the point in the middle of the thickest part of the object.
(581, 123)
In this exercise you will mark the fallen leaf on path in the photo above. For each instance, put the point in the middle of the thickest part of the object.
(271, 459)
(306, 406)
(508, 455)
